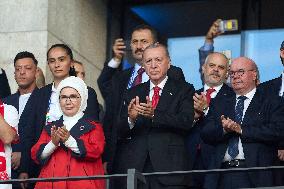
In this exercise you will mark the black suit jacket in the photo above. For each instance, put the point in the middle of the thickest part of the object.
(113, 84)
(38, 118)
(162, 137)
(262, 129)
(272, 87)
(194, 139)
(4, 85)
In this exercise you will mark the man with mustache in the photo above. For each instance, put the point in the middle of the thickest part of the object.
(114, 82)
(215, 70)
(25, 65)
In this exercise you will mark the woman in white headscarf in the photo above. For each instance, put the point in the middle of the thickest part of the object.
(73, 145)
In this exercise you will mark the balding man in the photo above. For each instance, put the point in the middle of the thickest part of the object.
(215, 71)
(155, 118)
(244, 129)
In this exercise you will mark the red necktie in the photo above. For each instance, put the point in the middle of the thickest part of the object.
(208, 94)
(138, 78)
(156, 97)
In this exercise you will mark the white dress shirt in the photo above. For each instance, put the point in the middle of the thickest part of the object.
(54, 111)
(247, 101)
(213, 94)
(282, 86)
(22, 102)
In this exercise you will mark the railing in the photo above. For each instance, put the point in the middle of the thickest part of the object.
(134, 176)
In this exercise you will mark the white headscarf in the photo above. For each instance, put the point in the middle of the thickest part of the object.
(80, 86)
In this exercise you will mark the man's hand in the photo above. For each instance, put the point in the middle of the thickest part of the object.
(24, 176)
(63, 134)
(281, 155)
(132, 110)
(213, 32)
(15, 160)
(200, 102)
(118, 49)
(146, 109)
(54, 137)
(230, 126)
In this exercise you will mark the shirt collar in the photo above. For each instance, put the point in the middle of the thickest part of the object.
(249, 95)
(53, 89)
(217, 88)
(160, 85)
(137, 67)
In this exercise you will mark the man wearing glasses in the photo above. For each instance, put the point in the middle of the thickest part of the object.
(245, 130)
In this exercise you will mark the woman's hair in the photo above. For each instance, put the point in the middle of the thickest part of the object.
(72, 71)
(63, 46)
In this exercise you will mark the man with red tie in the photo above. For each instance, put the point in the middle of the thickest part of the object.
(153, 124)
(114, 82)
(215, 70)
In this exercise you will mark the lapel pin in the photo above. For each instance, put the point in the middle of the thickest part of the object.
(171, 94)
(82, 128)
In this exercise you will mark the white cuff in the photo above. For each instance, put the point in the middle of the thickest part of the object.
(71, 143)
(131, 125)
(113, 64)
(48, 150)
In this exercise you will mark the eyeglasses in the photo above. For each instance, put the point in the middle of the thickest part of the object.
(239, 73)
(72, 98)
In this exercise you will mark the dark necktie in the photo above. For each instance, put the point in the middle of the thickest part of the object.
(156, 97)
(208, 94)
(233, 150)
(138, 78)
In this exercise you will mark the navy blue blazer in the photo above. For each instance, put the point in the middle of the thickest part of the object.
(262, 129)
(194, 139)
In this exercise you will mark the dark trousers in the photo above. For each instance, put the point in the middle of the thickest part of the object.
(153, 182)
(198, 178)
(279, 174)
(234, 180)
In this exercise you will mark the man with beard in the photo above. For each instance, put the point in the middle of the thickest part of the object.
(272, 88)
(215, 70)
(25, 75)
(113, 82)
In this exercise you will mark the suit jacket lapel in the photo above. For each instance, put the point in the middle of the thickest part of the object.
(168, 94)
(254, 105)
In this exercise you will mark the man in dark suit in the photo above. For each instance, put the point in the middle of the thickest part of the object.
(4, 85)
(25, 75)
(113, 82)
(244, 129)
(153, 123)
(215, 70)
(275, 88)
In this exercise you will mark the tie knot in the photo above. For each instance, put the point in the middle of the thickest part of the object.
(141, 71)
(210, 90)
(156, 89)
(242, 98)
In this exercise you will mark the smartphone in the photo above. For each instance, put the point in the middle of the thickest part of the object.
(228, 25)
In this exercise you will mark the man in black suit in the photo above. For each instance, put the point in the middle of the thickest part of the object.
(4, 85)
(244, 129)
(25, 75)
(274, 88)
(153, 124)
(215, 70)
(113, 82)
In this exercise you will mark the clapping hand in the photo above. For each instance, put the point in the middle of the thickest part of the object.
(230, 125)
(146, 109)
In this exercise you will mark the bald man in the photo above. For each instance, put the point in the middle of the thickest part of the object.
(244, 129)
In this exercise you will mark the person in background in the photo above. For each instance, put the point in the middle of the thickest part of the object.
(80, 72)
(25, 65)
(215, 73)
(72, 145)
(40, 80)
